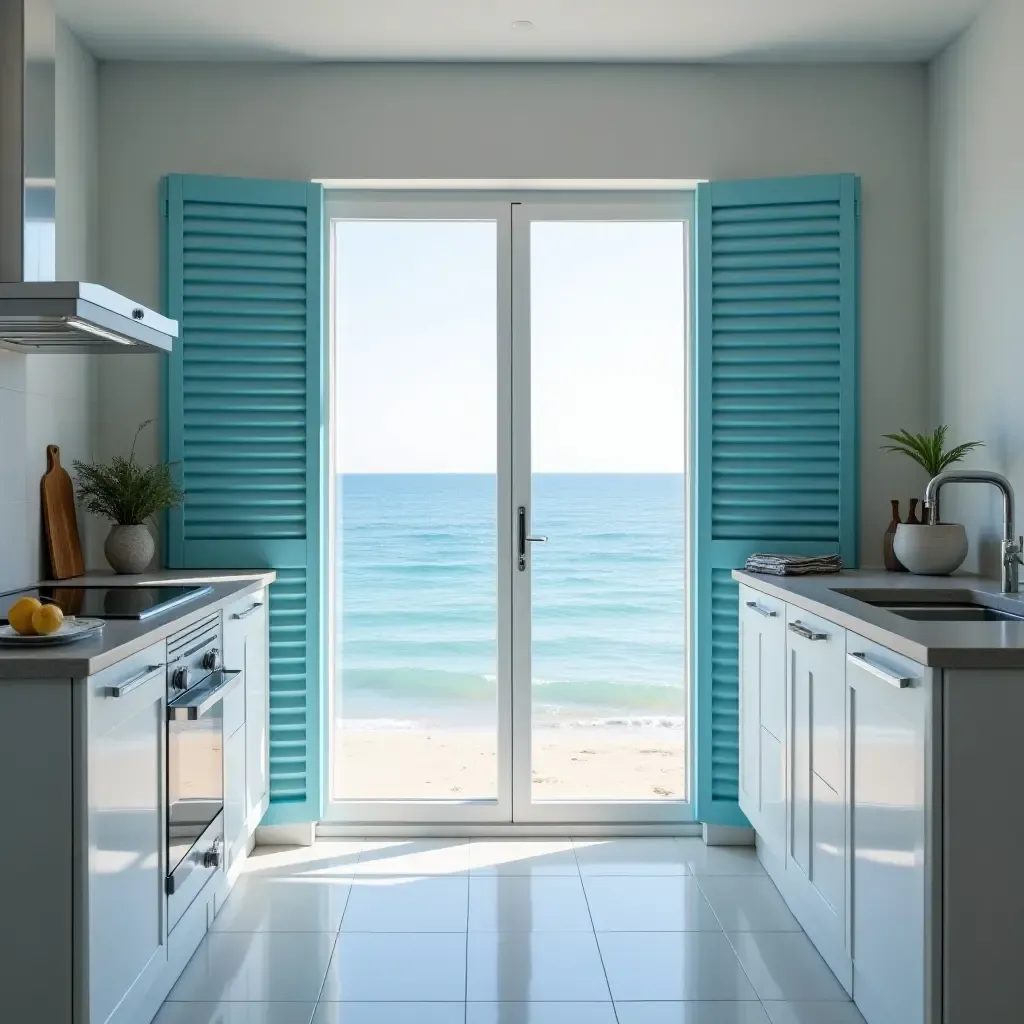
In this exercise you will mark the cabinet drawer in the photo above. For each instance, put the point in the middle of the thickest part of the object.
(115, 692)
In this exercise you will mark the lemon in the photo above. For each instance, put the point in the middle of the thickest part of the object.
(47, 619)
(20, 615)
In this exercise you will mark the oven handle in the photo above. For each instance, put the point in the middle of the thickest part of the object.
(191, 706)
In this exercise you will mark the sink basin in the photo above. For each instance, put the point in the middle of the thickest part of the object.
(950, 612)
(946, 604)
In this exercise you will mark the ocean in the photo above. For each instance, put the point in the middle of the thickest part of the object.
(417, 600)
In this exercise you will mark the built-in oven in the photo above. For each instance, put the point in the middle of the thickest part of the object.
(197, 684)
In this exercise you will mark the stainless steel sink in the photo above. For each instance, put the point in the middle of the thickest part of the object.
(944, 604)
(951, 612)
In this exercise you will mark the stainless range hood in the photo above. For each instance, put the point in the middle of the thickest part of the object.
(37, 313)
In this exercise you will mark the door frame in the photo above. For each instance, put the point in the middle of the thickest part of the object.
(512, 808)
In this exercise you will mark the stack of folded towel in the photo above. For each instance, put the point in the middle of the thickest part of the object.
(793, 565)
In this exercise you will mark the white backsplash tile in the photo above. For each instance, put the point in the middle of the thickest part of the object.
(44, 399)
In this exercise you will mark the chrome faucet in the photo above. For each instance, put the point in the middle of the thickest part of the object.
(1012, 546)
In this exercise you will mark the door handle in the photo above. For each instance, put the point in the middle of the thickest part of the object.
(523, 538)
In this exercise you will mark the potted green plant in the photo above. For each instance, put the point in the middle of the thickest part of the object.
(933, 548)
(129, 495)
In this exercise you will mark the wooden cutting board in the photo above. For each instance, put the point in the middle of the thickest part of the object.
(59, 520)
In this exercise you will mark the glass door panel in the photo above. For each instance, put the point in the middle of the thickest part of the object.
(417, 713)
(600, 665)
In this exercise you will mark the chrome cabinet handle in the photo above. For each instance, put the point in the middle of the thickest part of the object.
(248, 611)
(766, 612)
(806, 632)
(123, 689)
(861, 660)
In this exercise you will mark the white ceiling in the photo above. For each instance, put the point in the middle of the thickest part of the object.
(573, 30)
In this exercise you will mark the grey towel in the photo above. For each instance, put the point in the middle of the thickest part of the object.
(793, 565)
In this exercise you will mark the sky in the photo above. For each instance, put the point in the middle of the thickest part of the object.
(416, 347)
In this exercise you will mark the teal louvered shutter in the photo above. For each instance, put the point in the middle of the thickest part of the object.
(243, 275)
(775, 418)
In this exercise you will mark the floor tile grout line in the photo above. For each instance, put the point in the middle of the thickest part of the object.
(337, 937)
(600, 954)
(465, 974)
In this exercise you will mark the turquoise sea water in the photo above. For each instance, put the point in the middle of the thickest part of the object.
(417, 609)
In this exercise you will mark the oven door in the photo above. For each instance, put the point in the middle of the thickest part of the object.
(195, 787)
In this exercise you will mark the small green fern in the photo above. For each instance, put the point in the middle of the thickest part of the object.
(125, 492)
(928, 450)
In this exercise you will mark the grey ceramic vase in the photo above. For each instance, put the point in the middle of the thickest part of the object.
(129, 549)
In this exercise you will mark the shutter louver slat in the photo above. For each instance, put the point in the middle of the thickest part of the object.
(244, 267)
(776, 424)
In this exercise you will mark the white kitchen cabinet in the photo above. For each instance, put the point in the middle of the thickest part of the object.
(246, 643)
(889, 699)
(126, 716)
(817, 840)
(762, 710)
(236, 833)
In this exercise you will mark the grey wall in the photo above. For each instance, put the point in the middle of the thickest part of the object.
(977, 108)
(48, 399)
(537, 122)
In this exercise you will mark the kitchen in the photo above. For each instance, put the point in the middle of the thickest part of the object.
(926, 122)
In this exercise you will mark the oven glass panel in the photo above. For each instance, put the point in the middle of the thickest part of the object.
(195, 780)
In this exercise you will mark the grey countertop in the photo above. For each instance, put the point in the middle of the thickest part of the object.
(841, 597)
(122, 638)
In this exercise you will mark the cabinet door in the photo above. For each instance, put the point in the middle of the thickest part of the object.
(817, 838)
(125, 759)
(246, 646)
(888, 707)
(235, 831)
(257, 721)
(762, 681)
(750, 716)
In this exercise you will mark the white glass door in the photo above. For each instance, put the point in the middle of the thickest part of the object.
(600, 421)
(420, 709)
(509, 438)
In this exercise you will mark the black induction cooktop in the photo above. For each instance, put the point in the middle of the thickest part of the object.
(103, 602)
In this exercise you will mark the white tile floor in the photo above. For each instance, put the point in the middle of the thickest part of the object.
(618, 931)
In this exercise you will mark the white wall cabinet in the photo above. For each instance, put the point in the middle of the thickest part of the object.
(762, 709)
(127, 937)
(888, 700)
(817, 839)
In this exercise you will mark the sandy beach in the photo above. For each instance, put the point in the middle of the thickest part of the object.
(629, 763)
